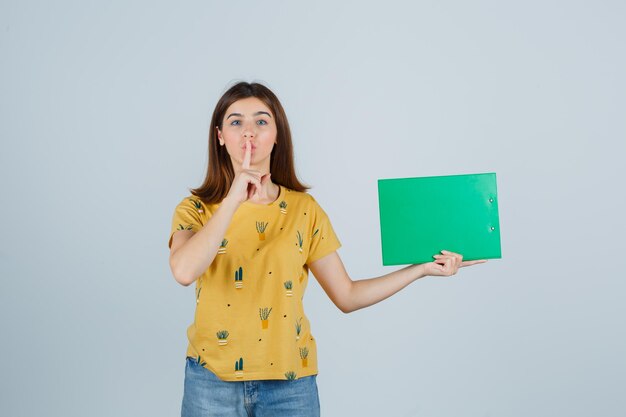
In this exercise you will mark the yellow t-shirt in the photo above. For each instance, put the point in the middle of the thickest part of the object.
(249, 321)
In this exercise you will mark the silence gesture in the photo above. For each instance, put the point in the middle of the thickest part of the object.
(248, 183)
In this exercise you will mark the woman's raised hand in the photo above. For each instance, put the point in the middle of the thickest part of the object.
(248, 182)
(447, 264)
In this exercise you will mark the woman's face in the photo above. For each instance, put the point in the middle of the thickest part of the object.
(249, 119)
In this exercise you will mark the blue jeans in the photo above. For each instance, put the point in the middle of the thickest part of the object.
(207, 395)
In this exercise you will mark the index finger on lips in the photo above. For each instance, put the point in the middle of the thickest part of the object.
(246, 156)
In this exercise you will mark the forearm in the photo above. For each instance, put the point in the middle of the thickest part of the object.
(366, 292)
(194, 257)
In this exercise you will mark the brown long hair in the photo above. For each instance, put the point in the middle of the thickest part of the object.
(220, 172)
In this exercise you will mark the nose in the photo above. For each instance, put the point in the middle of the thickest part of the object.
(248, 131)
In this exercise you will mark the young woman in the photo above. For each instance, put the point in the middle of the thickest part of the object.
(248, 237)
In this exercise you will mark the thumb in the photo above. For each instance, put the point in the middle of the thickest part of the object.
(265, 178)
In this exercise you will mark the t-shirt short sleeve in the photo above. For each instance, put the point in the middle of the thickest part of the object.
(188, 215)
(322, 235)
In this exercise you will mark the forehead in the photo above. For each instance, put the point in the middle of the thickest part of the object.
(247, 106)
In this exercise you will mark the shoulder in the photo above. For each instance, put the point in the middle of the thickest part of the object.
(305, 203)
(194, 203)
(298, 198)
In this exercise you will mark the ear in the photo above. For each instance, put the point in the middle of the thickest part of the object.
(219, 136)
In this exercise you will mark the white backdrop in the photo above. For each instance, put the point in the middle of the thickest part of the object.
(104, 115)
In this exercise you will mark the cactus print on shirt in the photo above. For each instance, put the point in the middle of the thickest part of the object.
(249, 321)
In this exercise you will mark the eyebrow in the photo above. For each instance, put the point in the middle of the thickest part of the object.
(255, 114)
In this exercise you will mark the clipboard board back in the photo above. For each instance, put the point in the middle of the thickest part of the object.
(421, 216)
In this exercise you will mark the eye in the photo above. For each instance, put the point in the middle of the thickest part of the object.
(262, 121)
(233, 122)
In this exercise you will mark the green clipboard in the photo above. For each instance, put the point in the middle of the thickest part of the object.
(421, 216)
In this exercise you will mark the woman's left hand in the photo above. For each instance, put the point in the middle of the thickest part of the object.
(447, 264)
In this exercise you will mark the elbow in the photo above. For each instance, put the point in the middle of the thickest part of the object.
(184, 283)
(345, 307)
(345, 302)
(181, 279)
(179, 276)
